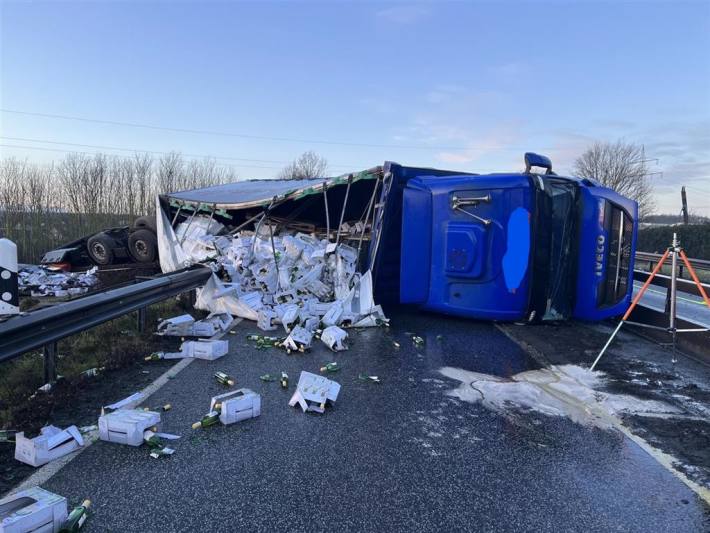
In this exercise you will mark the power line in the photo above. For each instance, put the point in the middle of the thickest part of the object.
(102, 147)
(229, 134)
(44, 149)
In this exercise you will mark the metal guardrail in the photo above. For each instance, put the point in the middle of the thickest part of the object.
(697, 264)
(44, 327)
(692, 343)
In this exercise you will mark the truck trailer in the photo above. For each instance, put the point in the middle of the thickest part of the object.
(529, 246)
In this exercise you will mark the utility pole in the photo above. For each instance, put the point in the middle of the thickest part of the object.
(684, 209)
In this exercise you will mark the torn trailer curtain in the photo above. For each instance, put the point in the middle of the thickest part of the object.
(329, 207)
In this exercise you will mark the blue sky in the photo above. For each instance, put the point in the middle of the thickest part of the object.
(461, 85)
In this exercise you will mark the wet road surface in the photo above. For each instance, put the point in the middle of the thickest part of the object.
(398, 456)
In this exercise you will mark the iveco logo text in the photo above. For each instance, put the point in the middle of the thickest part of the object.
(599, 256)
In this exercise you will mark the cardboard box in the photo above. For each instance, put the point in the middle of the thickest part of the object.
(179, 326)
(313, 392)
(33, 510)
(52, 443)
(204, 349)
(127, 426)
(237, 405)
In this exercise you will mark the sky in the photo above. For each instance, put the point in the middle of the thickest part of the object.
(458, 85)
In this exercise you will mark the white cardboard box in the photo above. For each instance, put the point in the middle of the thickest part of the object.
(313, 391)
(237, 405)
(127, 426)
(33, 510)
(204, 349)
(51, 444)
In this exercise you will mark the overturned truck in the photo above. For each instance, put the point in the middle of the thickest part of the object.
(511, 246)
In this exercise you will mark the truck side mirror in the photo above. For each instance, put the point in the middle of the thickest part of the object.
(537, 160)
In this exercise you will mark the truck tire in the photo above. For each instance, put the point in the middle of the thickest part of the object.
(145, 223)
(100, 249)
(143, 245)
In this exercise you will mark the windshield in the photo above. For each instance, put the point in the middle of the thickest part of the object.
(562, 195)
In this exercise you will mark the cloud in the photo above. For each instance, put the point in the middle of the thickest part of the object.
(403, 15)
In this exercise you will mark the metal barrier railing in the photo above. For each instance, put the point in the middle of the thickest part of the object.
(43, 328)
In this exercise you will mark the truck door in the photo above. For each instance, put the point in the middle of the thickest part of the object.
(466, 245)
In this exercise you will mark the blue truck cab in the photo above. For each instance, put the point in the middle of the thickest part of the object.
(510, 246)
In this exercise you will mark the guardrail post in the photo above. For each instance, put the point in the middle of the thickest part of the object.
(50, 362)
(142, 314)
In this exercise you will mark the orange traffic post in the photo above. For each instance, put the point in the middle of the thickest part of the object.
(635, 301)
(695, 278)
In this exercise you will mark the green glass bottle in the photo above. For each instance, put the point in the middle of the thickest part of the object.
(330, 367)
(284, 380)
(371, 379)
(76, 518)
(155, 356)
(224, 379)
(209, 419)
(267, 377)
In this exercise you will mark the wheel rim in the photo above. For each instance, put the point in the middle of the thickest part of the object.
(99, 251)
(141, 248)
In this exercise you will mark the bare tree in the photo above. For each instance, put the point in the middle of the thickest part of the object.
(308, 165)
(620, 166)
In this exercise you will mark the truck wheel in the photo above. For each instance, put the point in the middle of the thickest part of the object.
(145, 223)
(100, 248)
(143, 245)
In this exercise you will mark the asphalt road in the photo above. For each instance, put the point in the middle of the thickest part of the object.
(399, 456)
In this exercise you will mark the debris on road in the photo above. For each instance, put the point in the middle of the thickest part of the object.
(330, 367)
(38, 282)
(198, 349)
(34, 509)
(224, 379)
(127, 426)
(157, 446)
(313, 392)
(298, 340)
(264, 341)
(52, 443)
(76, 518)
(7, 435)
(368, 378)
(267, 377)
(418, 341)
(284, 380)
(209, 419)
(396, 344)
(236, 406)
(186, 326)
(333, 338)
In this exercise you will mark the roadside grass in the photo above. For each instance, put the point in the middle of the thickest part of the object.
(110, 346)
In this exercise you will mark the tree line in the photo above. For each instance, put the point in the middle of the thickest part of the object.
(43, 206)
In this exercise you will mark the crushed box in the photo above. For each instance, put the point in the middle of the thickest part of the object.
(313, 392)
(50, 444)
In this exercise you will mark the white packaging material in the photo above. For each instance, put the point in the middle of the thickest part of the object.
(127, 426)
(313, 391)
(33, 510)
(237, 405)
(213, 324)
(178, 326)
(52, 443)
(265, 320)
(204, 349)
(299, 337)
(333, 338)
(334, 315)
(290, 316)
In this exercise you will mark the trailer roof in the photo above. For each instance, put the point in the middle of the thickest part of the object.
(254, 193)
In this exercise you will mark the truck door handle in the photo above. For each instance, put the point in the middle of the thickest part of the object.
(457, 202)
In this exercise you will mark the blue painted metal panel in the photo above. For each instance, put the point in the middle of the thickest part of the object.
(594, 252)
(416, 246)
